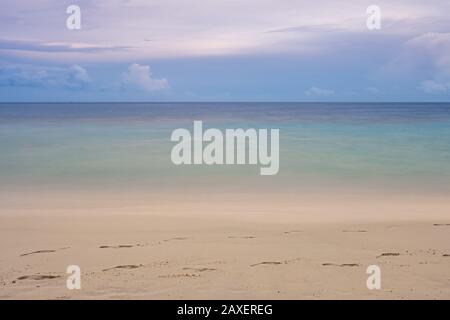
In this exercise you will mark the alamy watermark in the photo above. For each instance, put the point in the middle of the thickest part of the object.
(373, 21)
(374, 279)
(236, 146)
(74, 279)
(73, 21)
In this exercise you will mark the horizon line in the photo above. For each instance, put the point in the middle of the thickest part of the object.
(218, 101)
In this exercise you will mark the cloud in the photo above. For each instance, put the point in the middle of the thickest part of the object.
(309, 28)
(37, 46)
(425, 56)
(434, 46)
(140, 76)
(203, 27)
(319, 92)
(373, 90)
(433, 87)
(73, 77)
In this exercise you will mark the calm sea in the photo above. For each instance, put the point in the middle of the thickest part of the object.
(389, 146)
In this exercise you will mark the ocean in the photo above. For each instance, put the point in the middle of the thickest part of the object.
(383, 147)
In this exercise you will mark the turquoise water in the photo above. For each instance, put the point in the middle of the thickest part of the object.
(126, 146)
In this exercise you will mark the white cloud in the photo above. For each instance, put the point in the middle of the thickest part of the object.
(319, 92)
(436, 47)
(36, 46)
(427, 54)
(373, 90)
(24, 75)
(432, 87)
(140, 76)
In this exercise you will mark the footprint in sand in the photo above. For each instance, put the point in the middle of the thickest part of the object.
(175, 238)
(35, 252)
(241, 237)
(274, 263)
(166, 240)
(441, 224)
(389, 254)
(291, 260)
(446, 255)
(127, 266)
(42, 251)
(355, 231)
(200, 269)
(292, 231)
(216, 262)
(266, 263)
(38, 277)
(341, 265)
(179, 275)
(120, 246)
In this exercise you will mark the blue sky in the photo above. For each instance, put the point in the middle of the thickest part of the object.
(225, 50)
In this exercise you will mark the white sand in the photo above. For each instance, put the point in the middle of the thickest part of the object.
(226, 247)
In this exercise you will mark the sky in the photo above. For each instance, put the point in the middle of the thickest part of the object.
(224, 50)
